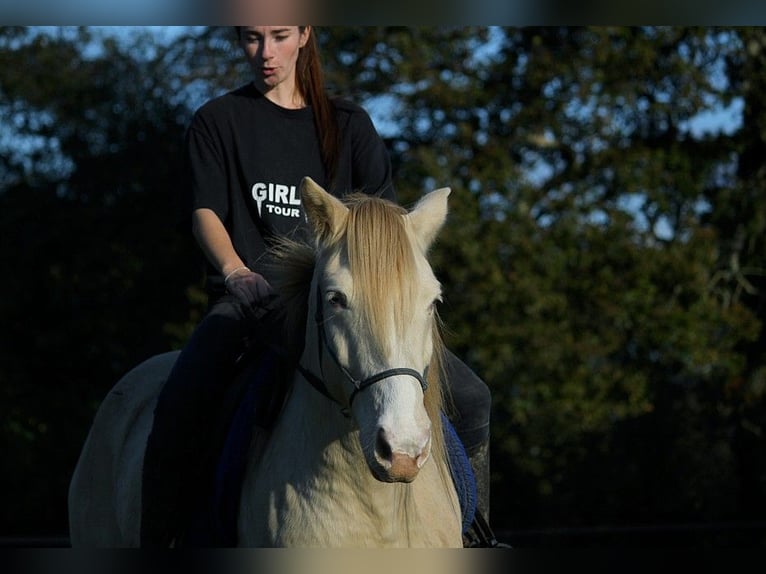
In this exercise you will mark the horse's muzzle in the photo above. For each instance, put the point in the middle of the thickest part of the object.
(398, 465)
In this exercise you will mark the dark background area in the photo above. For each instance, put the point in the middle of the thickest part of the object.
(603, 263)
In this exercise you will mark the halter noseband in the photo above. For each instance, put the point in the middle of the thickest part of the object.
(319, 384)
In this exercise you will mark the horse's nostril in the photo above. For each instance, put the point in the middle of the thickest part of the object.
(399, 462)
(382, 448)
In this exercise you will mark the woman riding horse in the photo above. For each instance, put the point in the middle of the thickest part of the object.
(248, 150)
(358, 454)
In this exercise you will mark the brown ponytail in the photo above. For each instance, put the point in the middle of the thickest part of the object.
(310, 83)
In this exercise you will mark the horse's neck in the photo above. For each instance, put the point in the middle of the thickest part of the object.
(315, 423)
(326, 433)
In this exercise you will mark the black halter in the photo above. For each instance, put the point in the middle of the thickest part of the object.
(319, 384)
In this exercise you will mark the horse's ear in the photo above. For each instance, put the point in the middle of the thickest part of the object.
(428, 216)
(324, 212)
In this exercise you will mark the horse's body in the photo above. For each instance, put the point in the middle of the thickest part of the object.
(364, 466)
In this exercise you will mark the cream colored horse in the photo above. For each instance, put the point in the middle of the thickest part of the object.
(357, 457)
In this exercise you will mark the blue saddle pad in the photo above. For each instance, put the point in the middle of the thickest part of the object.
(462, 473)
(220, 529)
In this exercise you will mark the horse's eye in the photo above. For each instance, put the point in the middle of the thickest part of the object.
(337, 299)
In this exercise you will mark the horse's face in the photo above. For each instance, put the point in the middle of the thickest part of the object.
(393, 423)
(376, 294)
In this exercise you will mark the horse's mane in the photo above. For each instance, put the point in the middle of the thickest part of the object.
(381, 258)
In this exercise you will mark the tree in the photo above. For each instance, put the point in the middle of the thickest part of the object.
(97, 269)
(578, 261)
(602, 263)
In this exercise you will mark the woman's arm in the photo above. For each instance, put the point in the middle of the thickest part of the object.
(216, 244)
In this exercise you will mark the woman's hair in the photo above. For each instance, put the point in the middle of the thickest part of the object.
(309, 79)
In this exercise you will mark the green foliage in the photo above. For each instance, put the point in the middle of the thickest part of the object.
(95, 264)
(583, 273)
(603, 262)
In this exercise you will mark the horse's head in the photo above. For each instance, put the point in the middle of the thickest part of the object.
(371, 322)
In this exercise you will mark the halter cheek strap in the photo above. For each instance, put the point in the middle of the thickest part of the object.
(319, 384)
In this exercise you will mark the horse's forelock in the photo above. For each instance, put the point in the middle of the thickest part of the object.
(383, 267)
(382, 264)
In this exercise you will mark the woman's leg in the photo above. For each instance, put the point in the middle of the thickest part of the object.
(472, 405)
(184, 420)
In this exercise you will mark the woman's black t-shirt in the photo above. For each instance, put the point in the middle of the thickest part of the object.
(248, 155)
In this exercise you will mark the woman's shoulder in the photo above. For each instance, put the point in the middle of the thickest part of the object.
(229, 101)
(352, 115)
(228, 112)
(349, 108)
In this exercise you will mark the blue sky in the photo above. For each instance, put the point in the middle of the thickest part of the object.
(726, 119)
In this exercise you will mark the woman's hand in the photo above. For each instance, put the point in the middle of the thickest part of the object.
(247, 286)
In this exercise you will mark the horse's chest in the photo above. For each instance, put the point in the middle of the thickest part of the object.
(321, 517)
(320, 511)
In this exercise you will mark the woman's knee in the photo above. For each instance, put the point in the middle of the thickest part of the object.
(472, 402)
